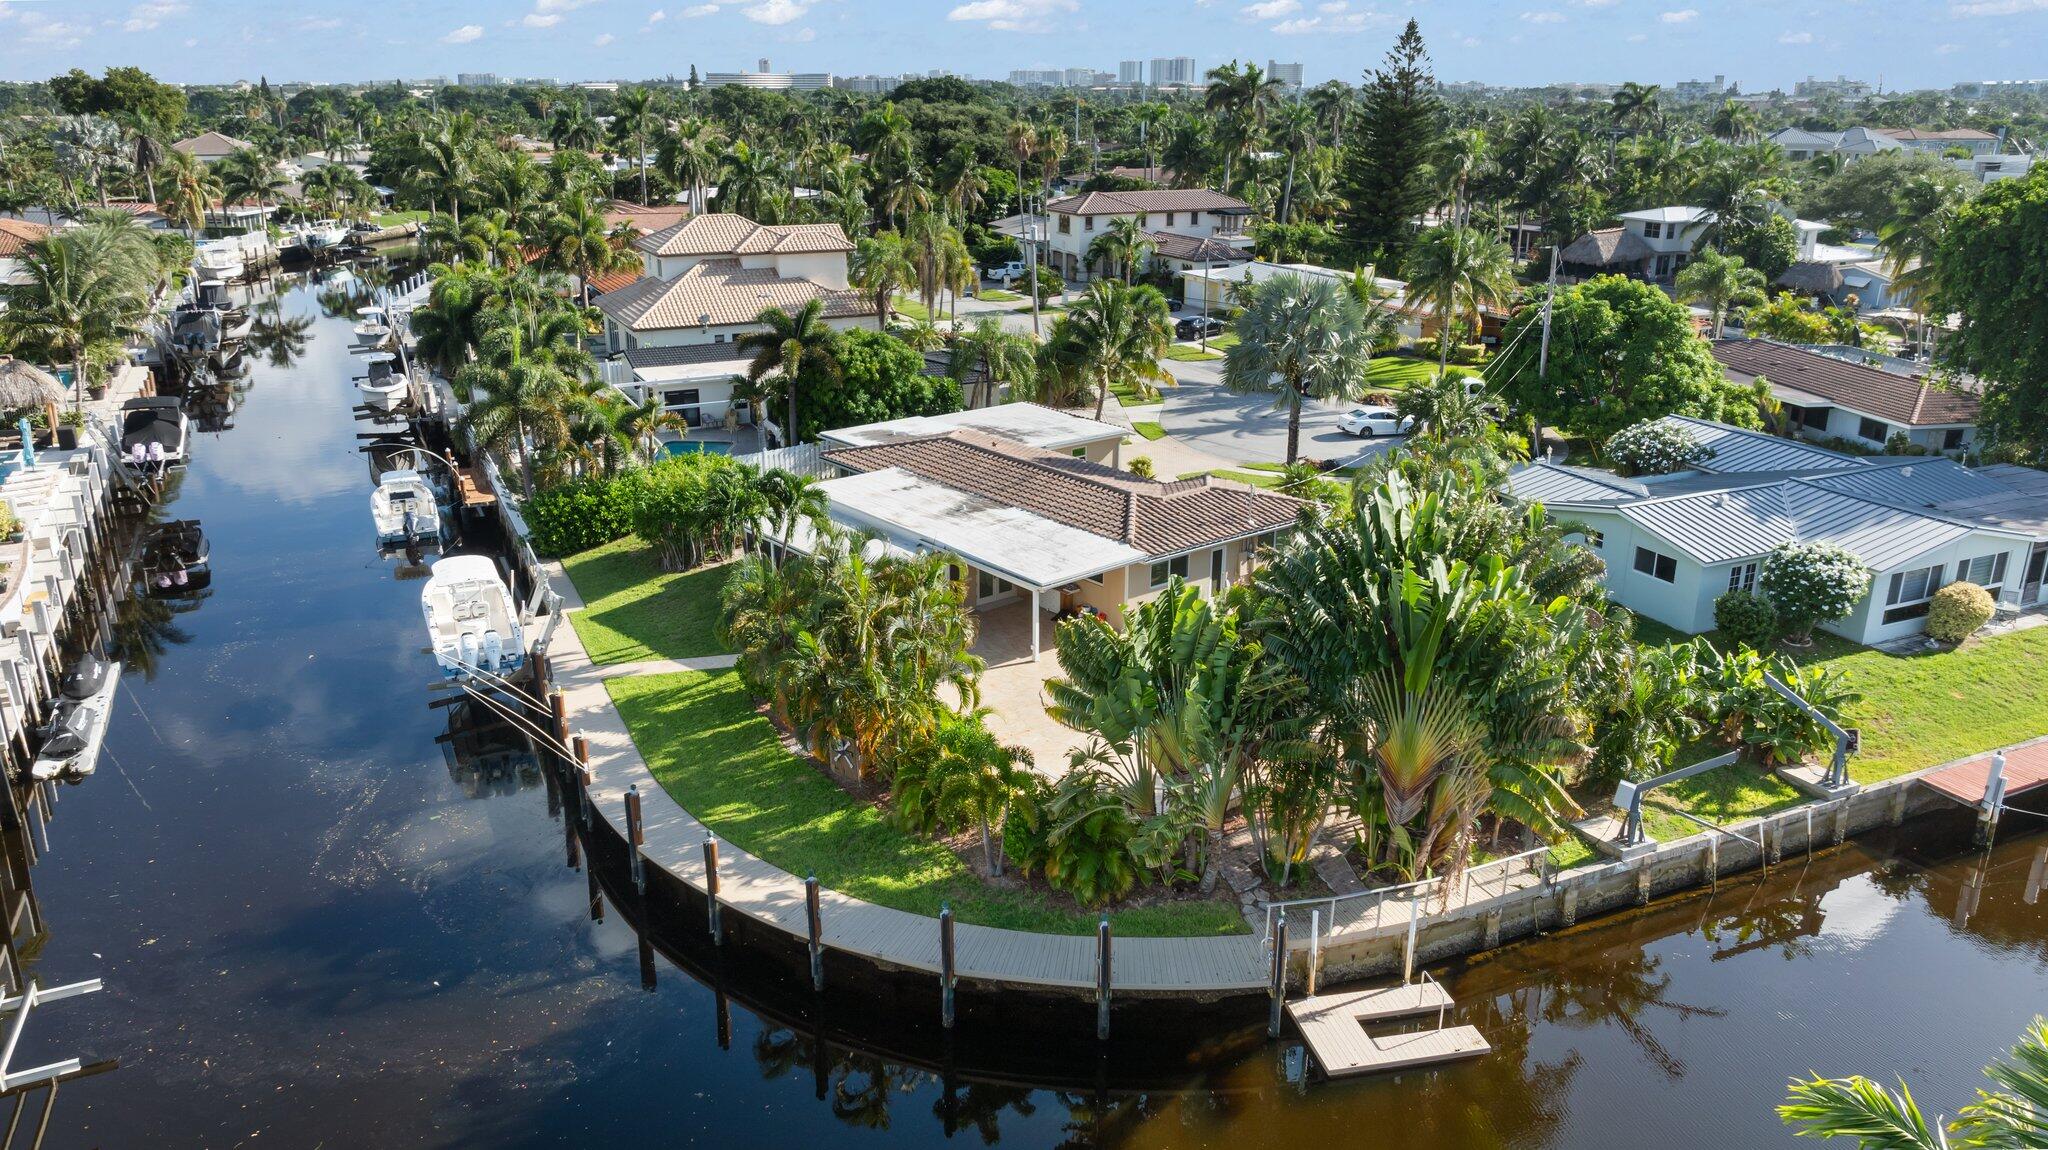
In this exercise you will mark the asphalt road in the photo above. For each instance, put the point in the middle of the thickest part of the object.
(1247, 428)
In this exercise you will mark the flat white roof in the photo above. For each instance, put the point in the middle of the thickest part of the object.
(1672, 215)
(1027, 423)
(718, 370)
(1259, 271)
(918, 514)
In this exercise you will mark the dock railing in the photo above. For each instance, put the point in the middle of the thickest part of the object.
(1367, 909)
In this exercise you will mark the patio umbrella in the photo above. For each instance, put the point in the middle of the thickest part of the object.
(23, 385)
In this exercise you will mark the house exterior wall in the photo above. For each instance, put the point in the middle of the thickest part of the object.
(714, 397)
(1866, 624)
(1067, 250)
(618, 339)
(827, 268)
(1847, 423)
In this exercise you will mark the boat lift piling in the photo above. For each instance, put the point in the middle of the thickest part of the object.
(814, 927)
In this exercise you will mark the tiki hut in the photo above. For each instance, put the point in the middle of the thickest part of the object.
(1607, 251)
(24, 385)
(1812, 278)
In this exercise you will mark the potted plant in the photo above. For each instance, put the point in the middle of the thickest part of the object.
(68, 426)
(10, 527)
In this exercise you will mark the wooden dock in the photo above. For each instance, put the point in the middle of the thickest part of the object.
(2026, 767)
(1335, 1026)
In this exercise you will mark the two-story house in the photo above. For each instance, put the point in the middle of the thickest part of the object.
(1652, 244)
(1189, 228)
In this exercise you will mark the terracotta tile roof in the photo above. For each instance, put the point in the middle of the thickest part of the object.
(725, 234)
(1154, 517)
(613, 281)
(1946, 134)
(643, 218)
(721, 292)
(210, 144)
(18, 234)
(1168, 245)
(1134, 203)
(1902, 399)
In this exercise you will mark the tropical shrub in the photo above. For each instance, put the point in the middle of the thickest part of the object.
(1654, 448)
(1747, 618)
(1957, 610)
(692, 508)
(577, 515)
(955, 775)
(1141, 466)
(1653, 714)
(1732, 689)
(1779, 731)
(1899, 443)
(1812, 583)
(875, 377)
(1077, 835)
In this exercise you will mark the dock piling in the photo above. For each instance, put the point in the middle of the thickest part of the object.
(1276, 990)
(1315, 947)
(1103, 967)
(559, 704)
(814, 923)
(711, 890)
(1408, 948)
(635, 837)
(946, 969)
(581, 746)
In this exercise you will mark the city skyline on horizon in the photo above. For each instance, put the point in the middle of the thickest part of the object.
(1609, 41)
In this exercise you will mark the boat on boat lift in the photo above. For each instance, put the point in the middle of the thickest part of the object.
(385, 387)
(155, 431)
(195, 332)
(374, 329)
(404, 508)
(78, 726)
(213, 293)
(472, 622)
(324, 234)
(220, 259)
(176, 560)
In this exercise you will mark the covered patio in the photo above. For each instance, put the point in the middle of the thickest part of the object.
(1013, 686)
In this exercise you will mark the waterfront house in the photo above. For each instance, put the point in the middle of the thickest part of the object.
(814, 252)
(1675, 543)
(15, 237)
(1853, 395)
(1188, 227)
(1042, 532)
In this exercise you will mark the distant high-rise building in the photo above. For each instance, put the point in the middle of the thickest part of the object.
(770, 81)
(764, 65)
(1130, 72)
(1289, 75)
(1037, 77)
(1701, 89)
(1078, 77)
(477, 79)
(1174, 70)
(1841, 86)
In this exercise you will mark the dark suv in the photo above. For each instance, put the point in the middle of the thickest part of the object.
(1197, 326)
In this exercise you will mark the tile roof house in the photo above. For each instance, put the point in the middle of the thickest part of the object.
(1675, 543)
(809, 251)
(211, 147)
(1047, 526)
(1188, 228)
(15, 237)
(1831, 396)
(714, 300)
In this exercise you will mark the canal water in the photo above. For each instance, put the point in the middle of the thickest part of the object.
(323, 921)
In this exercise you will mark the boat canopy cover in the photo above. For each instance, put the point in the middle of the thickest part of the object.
(156, 423)
(457, 569)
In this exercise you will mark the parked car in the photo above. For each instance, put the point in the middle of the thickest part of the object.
(1365, 422)
(1014, 270)
(1197, 326)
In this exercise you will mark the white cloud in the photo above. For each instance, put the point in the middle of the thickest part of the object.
(1796, 38)
(541, 19)
(603, 38)
(1269, 9)
(1998, 7)
(146, 16)
(799, 36)
(1543, 17)
(656, 17)
(776, 11)
(1015, 15)
(1948, 49)
(1334, 7)
(697, 10)
(1682, 16)
(1469, 42)
(41, 31)
(464, 35)
(1332, 24)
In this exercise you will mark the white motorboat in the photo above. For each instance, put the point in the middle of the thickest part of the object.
(78, 726)
(220, 259)
(195, 331)
(323, 234)
(472, 622)
(154, 431)
(384, 388)
(374, 329)
(214, 294)
(403, 508)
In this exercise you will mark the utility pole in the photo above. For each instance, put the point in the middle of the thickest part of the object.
(1543, 351)
(1031, 264)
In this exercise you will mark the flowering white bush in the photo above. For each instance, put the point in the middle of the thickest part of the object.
(1812, 583)
(1652, 448)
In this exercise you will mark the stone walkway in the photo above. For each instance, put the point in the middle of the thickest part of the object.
(888, 937)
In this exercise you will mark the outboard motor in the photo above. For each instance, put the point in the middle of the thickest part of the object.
(85, 678)
(466, 649)
(494, 651)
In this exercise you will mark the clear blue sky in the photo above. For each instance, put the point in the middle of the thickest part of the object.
(1908, 43)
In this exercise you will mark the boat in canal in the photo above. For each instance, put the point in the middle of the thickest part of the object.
(155, 431)
(472, 622)
(176, 559)
(372, 329)
(77, 728)
(403, 507)
(385, 387)
(195, 332)
(220, 259)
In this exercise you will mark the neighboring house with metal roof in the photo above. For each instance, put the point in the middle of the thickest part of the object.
(1189, 227)
(1831, 396)
(1043, 526)
(1674, 544)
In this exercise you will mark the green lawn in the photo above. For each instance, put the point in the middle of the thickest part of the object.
(1149, 430)
(997, 295)
(634, 610)
(1137, 394)
(1722, 796)
(393, 219)
(1400, 372)
(1189, 353)
(909, 308)
(720, 759)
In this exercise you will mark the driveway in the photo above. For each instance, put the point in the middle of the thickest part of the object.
(1207, 416)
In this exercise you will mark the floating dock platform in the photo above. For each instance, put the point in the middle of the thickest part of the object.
(1335, 1026)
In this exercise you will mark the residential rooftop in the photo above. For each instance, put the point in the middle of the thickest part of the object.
(1030, 424)
(1908, 400)
(718, 293)
(1139, 203)
(724, 233)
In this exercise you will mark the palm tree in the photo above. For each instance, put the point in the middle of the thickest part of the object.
(445, 163)
(973, 777)
(2013, 1115)
(1122, 245)
(882, 264)
(339, 191)
(1119, 332)
(247, 178)
(1151, 116)
(635, 116)
(1459, 160)
(1458, 272)
(749, 182)
(1635, 107)
(1022, 140)
(1735, 122)
(192, 189)
(929, 238)
(688, 155)
(966, 188)
(573, 127)
(790, 498)
(1242, 97)
(449, 329)
(1333, 101)
(146, 147)
(792, 346)
(78, 292)
(1001, 356)
(518, 401)
(578, 242)
(1719, 281)
(1052, 149)
(1299, 339)
(1294, 132)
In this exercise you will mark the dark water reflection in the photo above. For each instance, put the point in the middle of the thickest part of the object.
(331, 915)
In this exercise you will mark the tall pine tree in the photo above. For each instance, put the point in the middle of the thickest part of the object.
(1386, 181)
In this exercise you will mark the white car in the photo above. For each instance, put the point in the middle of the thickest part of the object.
(1364, 422)
(1014, 270)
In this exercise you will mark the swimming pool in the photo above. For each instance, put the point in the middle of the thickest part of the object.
(695, 447)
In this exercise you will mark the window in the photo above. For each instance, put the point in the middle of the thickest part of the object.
(1166, 570)
(1653, 230)
(1170, 218)
(1952, 439)
(1088, 224)
(1194, 218)
(1656, 566)
(1814, 418)
(1095, 579)
(1590, 538)
(1986, 571)
(1080, 453)
(1144, 221)
(1907, 594)
(988, 586)
(1066, 224)
(1873, 430)
(1742, 577)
